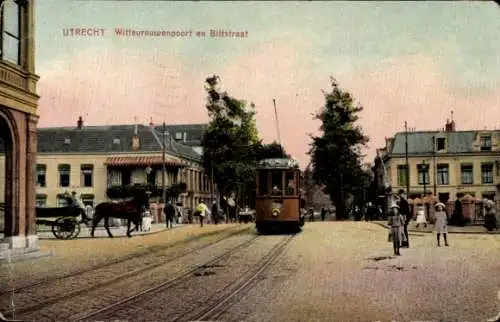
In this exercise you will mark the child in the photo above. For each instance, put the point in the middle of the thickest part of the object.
(441, 223)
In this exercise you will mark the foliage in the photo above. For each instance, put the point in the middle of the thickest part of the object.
(336, 153)
(269, 151)
(228, 143)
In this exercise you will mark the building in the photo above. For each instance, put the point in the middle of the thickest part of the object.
(90, 159)
(18, 120)
(187, 134)
(442, 163)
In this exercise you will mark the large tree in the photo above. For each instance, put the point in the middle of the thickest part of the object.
(228, 143)
(336, 153)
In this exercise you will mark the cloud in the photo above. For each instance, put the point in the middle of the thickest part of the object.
(114, 86)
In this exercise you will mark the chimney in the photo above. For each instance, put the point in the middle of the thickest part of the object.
(79, 124)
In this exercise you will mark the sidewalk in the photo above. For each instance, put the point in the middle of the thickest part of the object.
(451, 229)
(100, 232)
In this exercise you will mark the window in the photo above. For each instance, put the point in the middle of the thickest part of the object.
(151, 177)
(290, 183)
(87, 175)
(443, 174)
(11, 31)
(440, 144)
(64, 175)
(61, 201)
(485, 142)
(466, 174)
(487, 173)
(402, 175)
(41, 175)
(276, 183)
(263, 187)
(67, 141)
(423, 173)
(178, 136)
(126, 177)
(41, 200)
(116, 141)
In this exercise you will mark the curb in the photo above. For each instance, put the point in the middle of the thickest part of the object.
(449, 232)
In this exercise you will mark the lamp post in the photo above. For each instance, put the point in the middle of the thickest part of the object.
(425, 169)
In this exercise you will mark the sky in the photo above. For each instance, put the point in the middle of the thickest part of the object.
(414, 61)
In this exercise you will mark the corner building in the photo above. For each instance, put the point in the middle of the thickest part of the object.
(18, 120)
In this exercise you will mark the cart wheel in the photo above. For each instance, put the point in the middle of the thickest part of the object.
(77, 231)
(64, 227)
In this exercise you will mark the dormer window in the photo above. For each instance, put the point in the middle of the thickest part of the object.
(116, 141)
(485, 143)
(178, 136)
(67, 141)
(440, 144)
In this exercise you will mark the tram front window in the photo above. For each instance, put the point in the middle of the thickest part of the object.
(290, 183)
(263, 187)
(276, 183)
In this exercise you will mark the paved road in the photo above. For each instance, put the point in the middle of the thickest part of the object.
(332, 271)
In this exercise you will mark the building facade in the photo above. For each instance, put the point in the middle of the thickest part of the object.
(91, 159)
(18, 120)
(442, 163)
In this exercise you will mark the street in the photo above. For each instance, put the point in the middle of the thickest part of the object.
(331, 271)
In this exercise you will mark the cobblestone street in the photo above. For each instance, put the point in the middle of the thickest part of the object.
(332, 271)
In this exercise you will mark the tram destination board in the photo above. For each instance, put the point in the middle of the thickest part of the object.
(281, 163)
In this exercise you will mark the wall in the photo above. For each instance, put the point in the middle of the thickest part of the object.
(454, 163)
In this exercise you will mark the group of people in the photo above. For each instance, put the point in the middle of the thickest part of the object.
(400, 216)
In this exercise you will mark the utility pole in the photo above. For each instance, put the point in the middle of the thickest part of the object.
(164, 168)
(212, 188)
(407, 172)
(277, 123)
(434, 164)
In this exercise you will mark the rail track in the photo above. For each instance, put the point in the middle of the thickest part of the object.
(78, 277)
(214, 308)
(133, 256)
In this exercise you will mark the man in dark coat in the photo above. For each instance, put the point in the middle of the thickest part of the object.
(323, 214)
(169, 214)
(215, 212)
(404, 209)
(457, 217)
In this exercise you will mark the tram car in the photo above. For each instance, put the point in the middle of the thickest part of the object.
(278, 200)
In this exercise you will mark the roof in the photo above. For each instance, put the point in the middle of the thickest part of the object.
(422, 142)
(194, 132)
(141, 161)
(108, 139)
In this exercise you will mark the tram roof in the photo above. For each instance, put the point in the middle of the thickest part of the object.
(278, 163)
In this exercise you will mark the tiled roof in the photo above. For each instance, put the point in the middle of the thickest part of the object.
(194, 132)
(422, 142)
(107, 139)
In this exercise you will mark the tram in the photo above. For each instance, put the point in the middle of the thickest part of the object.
(278, 200)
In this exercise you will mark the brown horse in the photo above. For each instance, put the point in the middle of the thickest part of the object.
(130, 210)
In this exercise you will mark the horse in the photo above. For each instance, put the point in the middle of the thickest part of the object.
(130, 209)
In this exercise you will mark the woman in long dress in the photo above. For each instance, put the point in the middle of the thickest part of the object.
(421, 216)
(441, 223)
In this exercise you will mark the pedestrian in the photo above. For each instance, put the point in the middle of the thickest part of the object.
(404, 210)
(441, 223)
(457, 217)
(215, 212)
(490, 219)
(421, 218)
(202, 211)
(396, 223)
(169, 214)
(311, 214)
(323, 214)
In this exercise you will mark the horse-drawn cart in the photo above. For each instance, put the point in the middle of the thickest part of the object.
(64, 221)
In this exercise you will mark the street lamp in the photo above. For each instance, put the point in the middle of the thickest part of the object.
(425, 169)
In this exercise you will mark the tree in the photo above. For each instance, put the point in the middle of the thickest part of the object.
(269, 151)
(336, 153)
(228, 143)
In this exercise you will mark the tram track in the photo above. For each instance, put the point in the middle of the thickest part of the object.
(139, 304)
(121, 260)
(107, 277)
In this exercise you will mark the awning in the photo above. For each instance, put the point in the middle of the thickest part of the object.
(141, 161)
